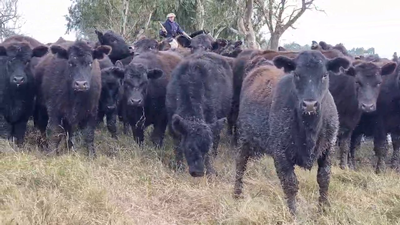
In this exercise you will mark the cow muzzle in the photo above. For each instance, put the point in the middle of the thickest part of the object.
(309, 107)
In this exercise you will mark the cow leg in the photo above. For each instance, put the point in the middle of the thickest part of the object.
(100, 117)
(355, 144)
(138, 134)
(216, 140)
(157, 136)
(241, 166)
(380, 148)
(126, 127)
(55, 132)
(289, 182)
(88, 134)
(179, 166)
(344, 145)
(112, 124)
(40, 120)
(5, 128)
(19, 130)
(396, 153)
(323, 177)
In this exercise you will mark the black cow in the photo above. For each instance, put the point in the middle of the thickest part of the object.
(382, 122)
(356, 92)
(144, 89)
(17, 87)
(198, 101)
(69, 93)
(111, 80)
(294, 118)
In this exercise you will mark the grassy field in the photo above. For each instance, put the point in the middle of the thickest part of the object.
(129, 185)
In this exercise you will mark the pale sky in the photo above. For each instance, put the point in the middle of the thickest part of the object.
(355, 23)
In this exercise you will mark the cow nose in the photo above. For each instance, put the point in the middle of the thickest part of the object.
(18, 80)
(368, 107)
(133, 101)
(81, 85)
(310, 107)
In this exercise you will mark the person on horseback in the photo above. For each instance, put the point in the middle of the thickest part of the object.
(170, 28)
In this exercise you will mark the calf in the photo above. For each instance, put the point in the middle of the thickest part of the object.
(111, 80)
(293, 118)
(198, 100)
(69, 93)
(355, 92)
(17, 90)
(144, 89)
(382, 122)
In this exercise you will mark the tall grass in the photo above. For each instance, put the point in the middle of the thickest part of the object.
(129, 185)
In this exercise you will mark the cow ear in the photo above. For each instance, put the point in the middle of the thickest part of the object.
(3, 51)
(154, 74)
(285, 62)
(179, 124)
(388, 68)
(215, 45)
(61, 52)
(351, 71)
(99, 36)
(118, 72)
(40, 51)
(336, 63)
(99, 51)
(119, 64)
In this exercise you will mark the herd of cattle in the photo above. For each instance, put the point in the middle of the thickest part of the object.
(291, 105)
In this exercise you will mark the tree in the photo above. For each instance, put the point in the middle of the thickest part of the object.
(278, 16)
(9, 18)
(134, 17)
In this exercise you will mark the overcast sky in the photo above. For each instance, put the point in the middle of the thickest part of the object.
(355, 23)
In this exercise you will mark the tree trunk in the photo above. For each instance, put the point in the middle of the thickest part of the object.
(199, 15)
(246, 26)
(274, 41)
(125, 11)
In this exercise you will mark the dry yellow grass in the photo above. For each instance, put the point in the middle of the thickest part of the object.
(128, 185)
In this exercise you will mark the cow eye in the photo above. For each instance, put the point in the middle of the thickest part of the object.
(90, 64)
(325, 75)
(379, 84)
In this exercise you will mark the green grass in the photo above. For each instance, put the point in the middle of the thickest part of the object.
(129, 185)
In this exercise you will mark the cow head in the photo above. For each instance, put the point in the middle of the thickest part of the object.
(120, 49)
(80, 57)
(136, 80)
(145, 45)
(232, 49)
(196, 141)
(203, 42)
(18, 57)
(111, 80)
(310, 71)
(368, 79)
